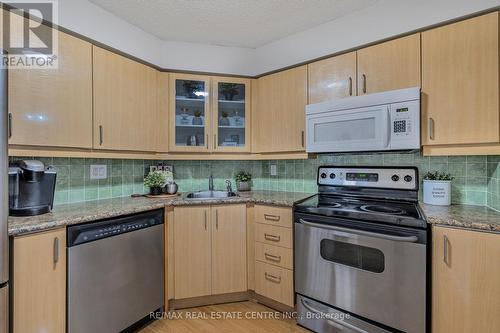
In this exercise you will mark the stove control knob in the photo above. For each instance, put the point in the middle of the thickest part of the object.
(323, 175)
(408, 178)
(395, 178)
(332, 176)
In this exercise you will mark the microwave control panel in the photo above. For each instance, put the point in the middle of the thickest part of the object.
(405, 125)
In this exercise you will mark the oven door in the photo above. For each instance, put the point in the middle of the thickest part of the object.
(360, 129)
(376, 274)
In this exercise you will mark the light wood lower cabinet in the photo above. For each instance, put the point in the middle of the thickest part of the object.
(273, 248)
(465, 281)
(209, 250)
(192, 251)
(39, 282)
(229, 266)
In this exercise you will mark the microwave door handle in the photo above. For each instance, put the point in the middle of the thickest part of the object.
(410, 239)
(389, 127)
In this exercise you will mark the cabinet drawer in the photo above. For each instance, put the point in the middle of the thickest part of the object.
(273, 215)
(274, 255)
(274, 282)
(272, 235)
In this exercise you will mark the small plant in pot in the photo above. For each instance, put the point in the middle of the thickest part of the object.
(437, 188)
(191, 88)
(197, 118)
(229, 90)
(224, 120)
(243, 179)
(155, 180)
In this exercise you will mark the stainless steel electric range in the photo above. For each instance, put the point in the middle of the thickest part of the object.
(361, 252)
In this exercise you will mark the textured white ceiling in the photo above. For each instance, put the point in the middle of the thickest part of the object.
(241, 23)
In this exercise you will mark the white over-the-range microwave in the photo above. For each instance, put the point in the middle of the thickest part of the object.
(388, 120)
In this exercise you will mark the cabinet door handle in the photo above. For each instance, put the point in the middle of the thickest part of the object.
(56, 250)
(205, 219)
(100, 135)
(446, 250)
(272, 257)
(364, 83)
(207, 141)
(215, 141)
(216, 219)
(431, 128)
(9, 125)
(303, 139)
(273, 238)
(272, 278)
(350, 86)
(270, 217)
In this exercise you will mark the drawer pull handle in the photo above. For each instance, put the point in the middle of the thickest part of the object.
(273, 238)
(272, 278)
(272, 257)
(446, 257)
(271, 217)
(56, 250)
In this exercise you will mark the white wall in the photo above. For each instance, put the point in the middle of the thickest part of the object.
(384, 19)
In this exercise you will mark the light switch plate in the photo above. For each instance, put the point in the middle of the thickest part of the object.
(273, 170)
(98, 171)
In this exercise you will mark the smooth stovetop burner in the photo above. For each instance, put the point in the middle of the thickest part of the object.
(382, 209)
(361, 208)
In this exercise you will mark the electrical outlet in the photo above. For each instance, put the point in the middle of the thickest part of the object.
(273, 170)
(98, 171)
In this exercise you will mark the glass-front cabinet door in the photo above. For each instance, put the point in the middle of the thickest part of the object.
(231, 114)
(189, 113)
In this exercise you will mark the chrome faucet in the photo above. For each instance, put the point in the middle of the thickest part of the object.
(229, 187)
(211, 183)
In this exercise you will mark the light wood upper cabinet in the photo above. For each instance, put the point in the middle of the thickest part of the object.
(53, 107)
(231, 114)
(465, 288)
(229, 266)
(460, 82)
(189, 113)
(125, 103)
(192, 252)
(279, 116)
(39, 282)
(388, 66)
(332, 78)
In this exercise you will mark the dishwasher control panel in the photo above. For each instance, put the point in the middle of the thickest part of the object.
(79, 234)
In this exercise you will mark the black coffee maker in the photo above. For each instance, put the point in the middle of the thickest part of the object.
(31, 188)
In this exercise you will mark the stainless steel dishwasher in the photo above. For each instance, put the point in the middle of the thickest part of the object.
(115, 272)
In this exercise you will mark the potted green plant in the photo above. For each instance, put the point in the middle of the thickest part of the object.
(155, 180)
(437, 188)
(243, 179)
(197, 118)
(224, 120)
(191, 87)
(229, 90)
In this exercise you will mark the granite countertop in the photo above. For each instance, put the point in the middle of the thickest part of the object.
(75, 213)
(462, 216)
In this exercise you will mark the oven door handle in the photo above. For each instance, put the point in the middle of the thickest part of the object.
(332, 321)
(410, 239)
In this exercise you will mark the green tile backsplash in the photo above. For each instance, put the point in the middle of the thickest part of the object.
(477, 178)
